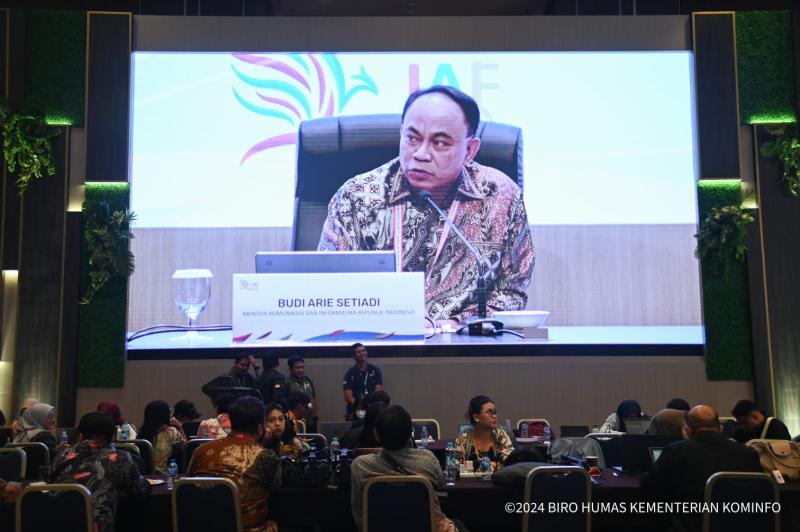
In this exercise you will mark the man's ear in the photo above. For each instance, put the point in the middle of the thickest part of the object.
(473, 145)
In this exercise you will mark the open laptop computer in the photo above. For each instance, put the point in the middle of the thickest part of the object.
(325, 261)
(637, 425)
(635, 450)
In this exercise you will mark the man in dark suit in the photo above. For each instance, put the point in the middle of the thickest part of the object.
(681, 472)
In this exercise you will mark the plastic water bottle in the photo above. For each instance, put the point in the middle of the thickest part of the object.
(451, 463)
(63, 438)
(508, 427)
(172, 472)
(523, 430)
(336, 449)
(486, 469)
(423, 437)
(547, 434)
(125, 432)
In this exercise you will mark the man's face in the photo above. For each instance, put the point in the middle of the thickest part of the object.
(360, 354)
(433, 142)
(298, 370)
(751, 420)
(241, 366)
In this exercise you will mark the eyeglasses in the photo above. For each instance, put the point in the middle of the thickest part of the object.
(491, 412)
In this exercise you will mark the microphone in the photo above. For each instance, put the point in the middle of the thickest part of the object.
(481, 283)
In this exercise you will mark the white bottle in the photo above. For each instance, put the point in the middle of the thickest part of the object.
(172, 472)
(63, 438)
(335, 449)
(125, 432)
(451, 463)
(423, 437)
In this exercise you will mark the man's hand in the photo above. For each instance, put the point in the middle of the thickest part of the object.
(254, 364)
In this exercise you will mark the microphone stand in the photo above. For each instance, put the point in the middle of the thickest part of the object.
(479, 326)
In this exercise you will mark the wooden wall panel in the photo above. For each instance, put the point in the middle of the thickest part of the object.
(716, 93)
(107, 98)
(40, 281)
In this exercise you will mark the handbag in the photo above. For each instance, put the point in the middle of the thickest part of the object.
(780, 455)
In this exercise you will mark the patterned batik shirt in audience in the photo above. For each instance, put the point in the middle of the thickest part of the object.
(254, 469)
(215, 427)
(487, 207)
(105, 471)
(502, 446)
(162, 448)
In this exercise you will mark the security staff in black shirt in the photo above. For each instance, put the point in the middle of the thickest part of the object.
(360, 380)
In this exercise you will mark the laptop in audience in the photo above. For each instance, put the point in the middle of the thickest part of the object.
(331, 429)
(635, 450)
(574, 431)
(655, 452)
(637, 425)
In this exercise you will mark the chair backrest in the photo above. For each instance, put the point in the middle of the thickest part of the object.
(37, 454)
(189, 447)
(317, 442)
(398, 504)
(361, 451)
(62, 507)
(145, 452)
(206, 503)
(434, 429)
(738, 488)
(5, 435)
(190, 428)
(12, 463)
(558, 484)
(332, 150)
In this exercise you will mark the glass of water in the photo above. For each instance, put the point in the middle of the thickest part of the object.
(191, 290)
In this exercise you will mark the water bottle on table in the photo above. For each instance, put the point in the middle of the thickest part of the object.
(63, 438)
(486, 468)
(523, 430)
(125, 432)
(172, 472)
(336, 449)
(547, 434)
(423, 437)
(451, 463)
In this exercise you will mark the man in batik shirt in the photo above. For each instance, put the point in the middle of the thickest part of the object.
(241, 458)
(105, 471)
(382, 210)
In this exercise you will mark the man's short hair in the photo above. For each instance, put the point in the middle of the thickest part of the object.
(246, 414)
(393, 427)
(294, 359)
(270, 360)
(469, 107)
(298, 398)
(95, 424)
(679, 404)
(239, 356)
(378, 397)
(743, 408)
(356, 346)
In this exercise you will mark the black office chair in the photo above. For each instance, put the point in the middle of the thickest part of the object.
(145, 453)
(737, 487)
(434, 431)
(62, 507)
(558, 484)
(206, 503)
(37, 454)
(12, 463)
(398, 504)
(184, 451)
(332, 150)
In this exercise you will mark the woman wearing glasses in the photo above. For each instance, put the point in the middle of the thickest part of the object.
(484, 438)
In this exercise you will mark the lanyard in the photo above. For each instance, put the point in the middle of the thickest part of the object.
(399, 214)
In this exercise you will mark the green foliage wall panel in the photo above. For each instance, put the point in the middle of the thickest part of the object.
(55, 65)
(726, 301)
(101, 345)
(766, 73)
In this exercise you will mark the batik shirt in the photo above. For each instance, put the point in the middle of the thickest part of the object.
(105, 471)
(254, 469)
(502, 446)
(215, 428)
(487, 207)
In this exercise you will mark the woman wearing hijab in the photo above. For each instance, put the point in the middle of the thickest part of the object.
(16, 425)
(615, 422)
(112, 410)
(38, 425)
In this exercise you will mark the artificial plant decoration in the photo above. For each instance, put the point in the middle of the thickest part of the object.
(786, 147)
(107, 237)
(27, 146)
(722, 236)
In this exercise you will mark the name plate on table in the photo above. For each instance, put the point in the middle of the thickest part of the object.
(275, 309)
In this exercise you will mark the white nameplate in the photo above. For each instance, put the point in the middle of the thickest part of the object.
(282, 308)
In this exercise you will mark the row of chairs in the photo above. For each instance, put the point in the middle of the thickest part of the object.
(394, 503)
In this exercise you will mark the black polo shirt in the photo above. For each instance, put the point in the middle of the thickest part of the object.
(361, 383)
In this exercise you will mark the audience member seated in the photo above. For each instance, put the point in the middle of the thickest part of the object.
(241, 458)
(667, 422)
(163, 431)
(393, 427)
(364, 436)
(185, 410)
(752, 424)
(282, 438)
(615, 422)
(678, 404)
(219, 426)
(485, 438)
(680, 473)
(16, 425)
(363, 405)
(106, 472)
(38, 425)
(112, 410)
(299, 407)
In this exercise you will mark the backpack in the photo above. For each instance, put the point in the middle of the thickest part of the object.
(780, 455)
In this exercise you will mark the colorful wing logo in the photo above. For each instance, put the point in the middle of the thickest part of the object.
(290, 88)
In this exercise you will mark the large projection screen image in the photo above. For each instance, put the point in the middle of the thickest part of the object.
(608, 169)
